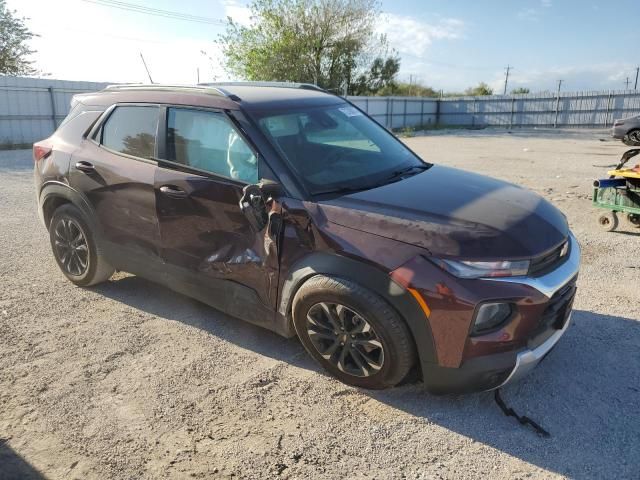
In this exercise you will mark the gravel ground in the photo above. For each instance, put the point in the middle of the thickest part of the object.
(129, 380)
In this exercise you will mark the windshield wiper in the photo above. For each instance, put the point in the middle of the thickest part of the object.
(407, 170)
(398, 174)
(345, 189)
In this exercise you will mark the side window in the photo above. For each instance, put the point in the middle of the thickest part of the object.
(131, 130)
(208, 141)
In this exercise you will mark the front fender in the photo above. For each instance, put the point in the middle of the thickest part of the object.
(369, 277)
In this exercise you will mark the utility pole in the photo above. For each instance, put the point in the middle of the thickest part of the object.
(637, 71)
(627, 82)
(506, 78)
(555, 121)
(198, 74)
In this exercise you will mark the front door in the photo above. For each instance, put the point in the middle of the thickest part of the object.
(115, 172)
(211, 250)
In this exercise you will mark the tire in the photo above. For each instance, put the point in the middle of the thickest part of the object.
(632, 138)
(608, 221)
(86, 265)
(378, 348)
(633, 220)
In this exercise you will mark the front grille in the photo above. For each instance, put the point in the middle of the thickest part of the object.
(549, 261)
(555, 314)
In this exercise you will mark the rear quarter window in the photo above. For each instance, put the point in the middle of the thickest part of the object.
(132, 130)
(73, 130)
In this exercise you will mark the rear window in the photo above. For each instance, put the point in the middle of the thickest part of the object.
(132, 130)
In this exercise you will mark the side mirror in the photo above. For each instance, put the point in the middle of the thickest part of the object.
(269, 188)
(254, 202)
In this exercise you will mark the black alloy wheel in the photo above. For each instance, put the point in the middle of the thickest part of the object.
(345, 339)
(70, 247)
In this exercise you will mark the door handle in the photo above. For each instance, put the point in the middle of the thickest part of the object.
(85, 166)
(174, 192)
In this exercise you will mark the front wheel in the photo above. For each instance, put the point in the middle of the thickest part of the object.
(353, 333)
(75, 249)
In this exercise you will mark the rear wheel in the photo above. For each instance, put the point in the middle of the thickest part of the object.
(353, 333)
(632, 138)
(75, 249)
(608, 221)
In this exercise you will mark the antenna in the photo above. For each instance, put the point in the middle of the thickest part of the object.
(146, 68)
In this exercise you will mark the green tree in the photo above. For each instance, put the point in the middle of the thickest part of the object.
(381, 76)
(520, 91)
(403, 89)
(326, 42)
(14, 48)
(479, 90)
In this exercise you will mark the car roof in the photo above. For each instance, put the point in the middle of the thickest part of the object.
(229, 95)
(269, 95)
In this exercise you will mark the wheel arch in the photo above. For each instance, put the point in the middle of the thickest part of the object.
(53, 195)
(370, 277)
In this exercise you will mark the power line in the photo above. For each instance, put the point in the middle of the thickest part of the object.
(132, 7)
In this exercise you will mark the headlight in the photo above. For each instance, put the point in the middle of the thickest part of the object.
(464, 269)
(491, 315)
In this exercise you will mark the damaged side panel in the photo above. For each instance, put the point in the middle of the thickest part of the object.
(211, 251)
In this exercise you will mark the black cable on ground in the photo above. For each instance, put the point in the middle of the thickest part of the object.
(509, 412)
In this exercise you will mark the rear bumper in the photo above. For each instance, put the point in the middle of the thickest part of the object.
(619, 132)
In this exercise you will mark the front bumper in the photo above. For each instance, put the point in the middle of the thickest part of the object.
(527, 360)
(549, 285)
(494, 370)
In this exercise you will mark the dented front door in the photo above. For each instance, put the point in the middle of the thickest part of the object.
(210, 249)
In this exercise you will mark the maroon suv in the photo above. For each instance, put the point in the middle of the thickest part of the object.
(289, 207)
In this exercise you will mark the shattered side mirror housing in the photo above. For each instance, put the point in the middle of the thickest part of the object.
(253, 203)
(270, 188)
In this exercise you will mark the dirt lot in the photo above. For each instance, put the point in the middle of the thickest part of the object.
(129, 380)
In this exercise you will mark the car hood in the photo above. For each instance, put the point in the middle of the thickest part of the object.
(454, 213)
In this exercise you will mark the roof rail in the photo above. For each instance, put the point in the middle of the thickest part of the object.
(306, 86)
(160, 86)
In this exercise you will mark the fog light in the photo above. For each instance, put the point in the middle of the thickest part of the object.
(490, 315)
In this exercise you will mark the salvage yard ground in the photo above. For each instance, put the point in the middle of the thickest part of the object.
(129, 380)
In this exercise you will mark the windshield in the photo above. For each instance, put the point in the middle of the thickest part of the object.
(337, 148)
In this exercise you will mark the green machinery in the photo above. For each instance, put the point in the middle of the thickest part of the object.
(619, 194)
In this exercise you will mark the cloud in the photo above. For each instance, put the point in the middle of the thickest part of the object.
(603, 76)
(239, 13)
(529, 14)
(414, 37)
(534, 13)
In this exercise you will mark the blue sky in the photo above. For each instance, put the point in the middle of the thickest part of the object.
(448, 44)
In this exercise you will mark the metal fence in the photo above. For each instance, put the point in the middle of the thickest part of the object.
(582, 109)
(31, 109)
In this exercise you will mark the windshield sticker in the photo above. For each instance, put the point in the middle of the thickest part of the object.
(350, 111)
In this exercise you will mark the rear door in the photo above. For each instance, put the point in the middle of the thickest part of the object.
(210, 249)
(115, 171)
